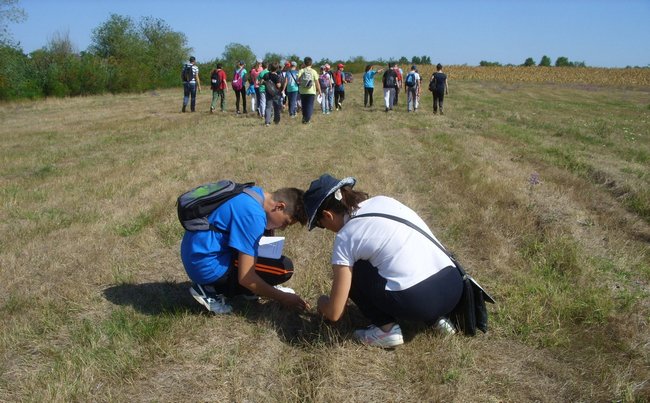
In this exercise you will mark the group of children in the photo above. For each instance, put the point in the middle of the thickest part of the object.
(273, 88)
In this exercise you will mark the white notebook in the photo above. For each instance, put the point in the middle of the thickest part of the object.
(271, 247)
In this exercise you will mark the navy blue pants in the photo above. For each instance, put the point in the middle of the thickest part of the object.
(307, 101)
(426, 301)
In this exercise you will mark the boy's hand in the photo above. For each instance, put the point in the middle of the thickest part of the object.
(294, 301)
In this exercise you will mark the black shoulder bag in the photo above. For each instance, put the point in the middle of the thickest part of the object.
(470, 313)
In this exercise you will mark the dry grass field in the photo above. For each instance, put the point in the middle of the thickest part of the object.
(94, 303)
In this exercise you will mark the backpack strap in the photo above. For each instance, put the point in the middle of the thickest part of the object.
(249, 192)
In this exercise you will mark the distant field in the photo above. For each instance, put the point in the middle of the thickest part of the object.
(541, 188)
(624, 78)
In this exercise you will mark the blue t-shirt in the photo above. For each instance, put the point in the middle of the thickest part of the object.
(206, 255)
(369, 79)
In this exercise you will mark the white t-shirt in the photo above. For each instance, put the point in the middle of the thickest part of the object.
(403, 256)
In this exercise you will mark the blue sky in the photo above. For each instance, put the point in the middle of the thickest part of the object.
(613, 33)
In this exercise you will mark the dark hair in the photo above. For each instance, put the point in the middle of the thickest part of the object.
(308, 61)
(368, 67)
(349, 202)
(264, 64)
(273, 67)
(439, 66)
(219, 65)
(293, 199)
(192, 59)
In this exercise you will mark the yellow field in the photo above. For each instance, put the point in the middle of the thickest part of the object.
(636, 77)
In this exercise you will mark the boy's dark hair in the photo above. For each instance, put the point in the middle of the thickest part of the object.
(368, 67)
(264, 64)
(219, 65)
(308, 61)
(192, 59)
(273, 67)
(439, 67)
(293, 198)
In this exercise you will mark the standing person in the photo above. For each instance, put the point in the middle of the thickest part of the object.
(191, 83)
(339, 86)
(369, 84)
(261, 100)
(389, 81)
(438, 85)
(330, 101)
(326, 89)
(388, 269)
(255, 72)
(292, 89)
(222, 262)
(238, 85)
(219, 86)
(273, 85)
(398, 86)
(412, 84)
(308, 88)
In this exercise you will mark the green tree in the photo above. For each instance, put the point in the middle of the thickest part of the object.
(485, 63)
(529, 62)
(403, 60)
(545, 62)
(9, 12)
(165, 51)
(270, 57)
(563, 61)
(416, 60)
(234, 52)
(425, 60)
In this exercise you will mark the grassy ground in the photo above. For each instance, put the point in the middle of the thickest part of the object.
(94, 302)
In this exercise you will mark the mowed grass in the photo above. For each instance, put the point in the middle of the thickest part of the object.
(540, 189)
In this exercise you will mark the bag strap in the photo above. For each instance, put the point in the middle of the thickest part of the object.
(421, 231)
(465, 276)
(249, 192)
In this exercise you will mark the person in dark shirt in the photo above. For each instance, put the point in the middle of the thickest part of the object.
(274, 88)
(389, 80)
(438, 85)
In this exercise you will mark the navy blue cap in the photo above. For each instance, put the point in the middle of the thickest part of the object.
(318, 191)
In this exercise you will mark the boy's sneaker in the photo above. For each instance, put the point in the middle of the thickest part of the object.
(213, 302)
(374, 336)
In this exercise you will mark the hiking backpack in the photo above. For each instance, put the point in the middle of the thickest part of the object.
(215, 80)
(324, 81)
(410, 80)
(306, 80)
(237, 82)
(271, 88)
(390, 80)
(196, 205)
(187, 74)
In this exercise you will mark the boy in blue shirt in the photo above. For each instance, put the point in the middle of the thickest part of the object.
(222, 263)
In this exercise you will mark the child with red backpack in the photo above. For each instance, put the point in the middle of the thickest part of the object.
(219, 87)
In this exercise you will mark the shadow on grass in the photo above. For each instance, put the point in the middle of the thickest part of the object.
(300, 329)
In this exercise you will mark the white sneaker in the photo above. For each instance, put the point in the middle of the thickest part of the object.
(284, 289)
(214, 302)
(444, 327)
(374, 336)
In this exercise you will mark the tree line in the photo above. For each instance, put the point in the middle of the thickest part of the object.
(545, 61)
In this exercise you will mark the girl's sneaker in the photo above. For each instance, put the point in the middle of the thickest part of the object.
(374, 336)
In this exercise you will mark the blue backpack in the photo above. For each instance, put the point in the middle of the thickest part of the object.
(410, 80)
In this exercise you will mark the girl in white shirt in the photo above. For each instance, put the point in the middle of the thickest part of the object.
(387, 268)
